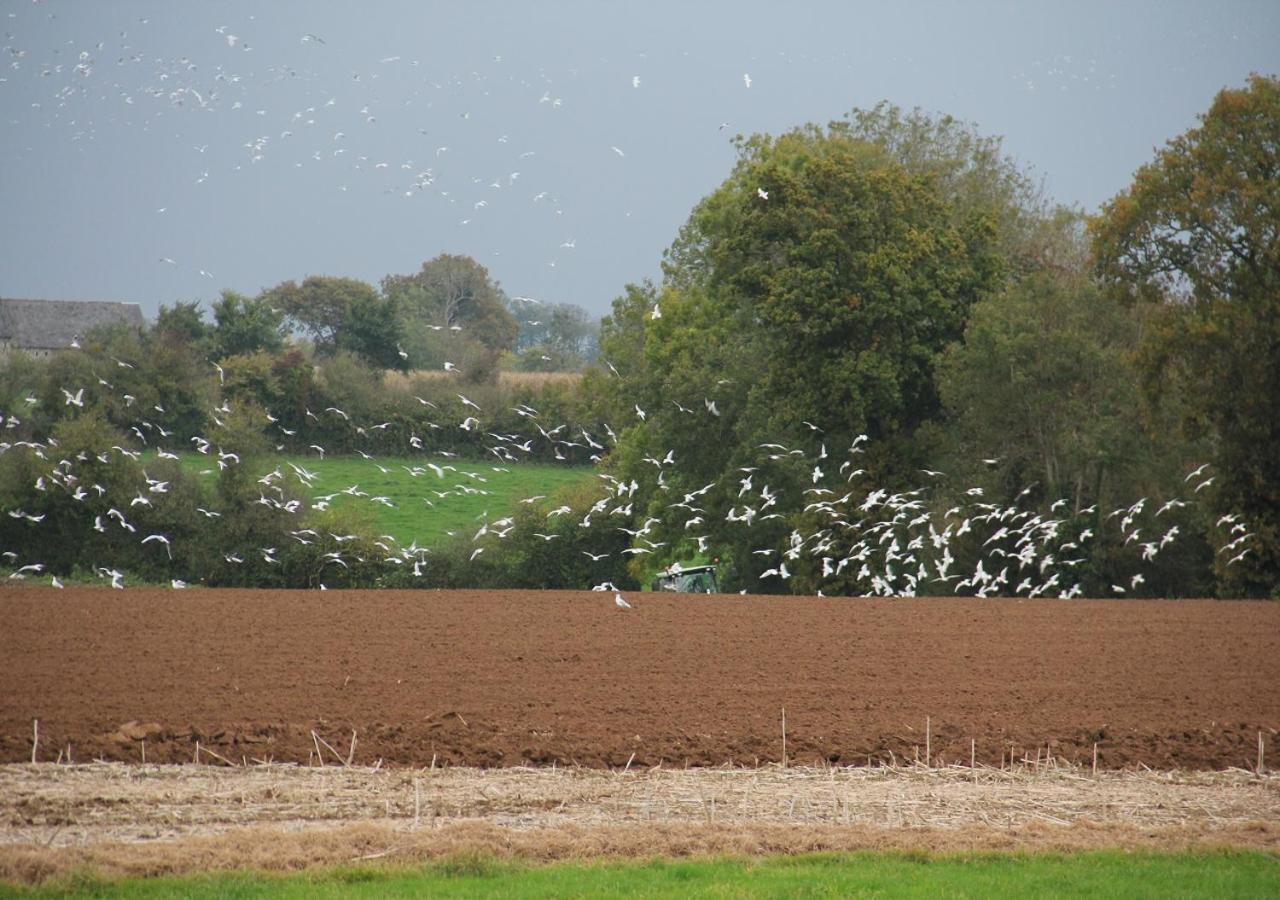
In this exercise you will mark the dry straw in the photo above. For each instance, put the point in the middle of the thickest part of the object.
(112, 801)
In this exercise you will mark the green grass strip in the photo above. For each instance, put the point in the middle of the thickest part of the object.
(1099, 874)
(426, 507)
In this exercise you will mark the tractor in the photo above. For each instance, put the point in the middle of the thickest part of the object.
(687, 580)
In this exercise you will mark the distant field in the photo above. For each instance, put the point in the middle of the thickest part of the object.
(424, 507)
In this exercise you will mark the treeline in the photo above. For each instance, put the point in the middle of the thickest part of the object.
(313, 366)
(448, 316)
(879, 361)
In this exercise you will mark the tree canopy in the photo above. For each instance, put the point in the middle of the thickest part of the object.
(344, 314)
(456, 292)
(845, 270)
(245, 324)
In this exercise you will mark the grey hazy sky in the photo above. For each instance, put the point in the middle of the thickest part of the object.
(145, 142)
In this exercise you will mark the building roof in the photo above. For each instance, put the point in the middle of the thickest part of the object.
(54, 324)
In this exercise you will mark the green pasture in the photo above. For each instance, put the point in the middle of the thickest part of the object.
(1094, 875)
(424, 506)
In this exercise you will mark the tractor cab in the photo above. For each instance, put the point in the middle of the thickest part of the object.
(687, 580)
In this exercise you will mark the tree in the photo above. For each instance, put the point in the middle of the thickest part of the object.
(321, 305)
(23, 376)
(245, 324)
(849, 272)
(174, 385)
(554, 337)
(249, 378)
(1196, 235)
(344, 314)
(571, 331)
(1042, 383)
(816, 288)
(456, 292)
(374, 333)
(182, 323)
(622, 330)
(531, 317)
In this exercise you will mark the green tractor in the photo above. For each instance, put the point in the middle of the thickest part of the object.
(687, 580)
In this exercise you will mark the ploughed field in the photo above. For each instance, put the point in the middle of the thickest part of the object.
(505, 678)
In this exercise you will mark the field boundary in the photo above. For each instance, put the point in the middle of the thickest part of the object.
(119, 820)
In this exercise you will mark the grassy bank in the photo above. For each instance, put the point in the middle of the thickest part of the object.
(1094, 874)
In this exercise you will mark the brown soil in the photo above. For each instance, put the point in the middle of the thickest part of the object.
(515, 677)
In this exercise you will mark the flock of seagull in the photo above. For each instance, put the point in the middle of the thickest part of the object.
(897, 545)
(393, 127)
(845, 533)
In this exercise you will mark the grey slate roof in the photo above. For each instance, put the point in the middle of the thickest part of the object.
(53, 324)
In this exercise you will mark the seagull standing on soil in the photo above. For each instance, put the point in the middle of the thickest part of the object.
(621, 602)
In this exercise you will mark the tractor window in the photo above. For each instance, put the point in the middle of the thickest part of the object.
(697, 584)
(686, 583)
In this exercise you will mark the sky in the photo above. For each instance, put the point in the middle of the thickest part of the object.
(156, 152)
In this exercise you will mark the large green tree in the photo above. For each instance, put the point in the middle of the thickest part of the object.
(1045, 411)
(1196, 234)
(846, 269)
(374, 334)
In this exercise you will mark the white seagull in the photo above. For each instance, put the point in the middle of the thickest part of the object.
(162, 539)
